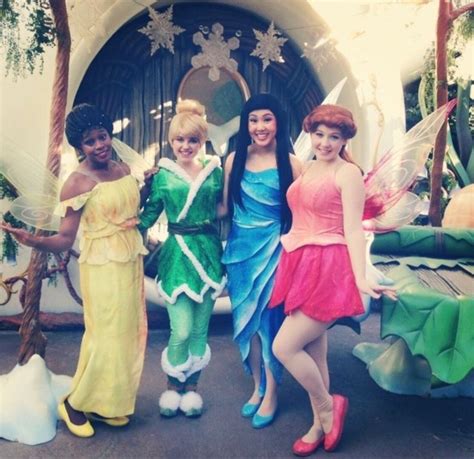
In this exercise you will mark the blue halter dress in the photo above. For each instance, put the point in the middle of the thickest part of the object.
(251, 256)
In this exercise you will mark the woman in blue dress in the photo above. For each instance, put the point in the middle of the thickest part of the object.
(257, 176)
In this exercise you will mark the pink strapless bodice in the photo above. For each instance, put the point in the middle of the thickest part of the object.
(316, 207)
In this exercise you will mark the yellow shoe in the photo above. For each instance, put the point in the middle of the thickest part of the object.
(118, 421)
(84, 430)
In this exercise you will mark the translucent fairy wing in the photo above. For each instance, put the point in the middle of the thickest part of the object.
(302, 145)
(399, 167)
(334, 94)
(128, 155)
(37, 187)
(220, 135)
(36, 211)
(25, 172)
(408, 207)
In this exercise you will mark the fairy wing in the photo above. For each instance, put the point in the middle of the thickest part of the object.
(219, 135)
(396, 171)
(128, 155)
(37, 187)
(302, 145)
(407, 208)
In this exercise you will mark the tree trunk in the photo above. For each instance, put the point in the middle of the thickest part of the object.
(442, 30)
(32, 340)
(446, 17)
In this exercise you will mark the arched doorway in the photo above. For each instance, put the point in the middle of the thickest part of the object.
(133, 85)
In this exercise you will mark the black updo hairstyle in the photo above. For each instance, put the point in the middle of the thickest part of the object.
(82, 118)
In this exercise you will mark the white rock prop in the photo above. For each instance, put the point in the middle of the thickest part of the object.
(29, 396)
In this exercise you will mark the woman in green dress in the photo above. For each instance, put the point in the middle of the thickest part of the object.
(190, 274)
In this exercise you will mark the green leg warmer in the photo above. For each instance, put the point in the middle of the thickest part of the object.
(200, 328)
(189, 323)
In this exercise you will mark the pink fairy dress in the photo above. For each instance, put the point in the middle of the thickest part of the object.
(315, 273)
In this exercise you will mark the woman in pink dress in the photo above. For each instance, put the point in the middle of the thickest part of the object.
(322, 270)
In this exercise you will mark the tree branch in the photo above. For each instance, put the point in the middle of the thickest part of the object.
(461, 10)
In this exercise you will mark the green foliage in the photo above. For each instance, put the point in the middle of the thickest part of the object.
(7, 191)
(434, 325)
(26, 29)
(9, 248)
(9, 245)
(464, 29)
(412, 108)
(422, 188)
(420, 100)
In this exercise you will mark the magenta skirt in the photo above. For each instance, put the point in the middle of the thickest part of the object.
(317, 280)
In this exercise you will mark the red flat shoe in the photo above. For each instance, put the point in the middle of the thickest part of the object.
(303, 448)
(340, 405)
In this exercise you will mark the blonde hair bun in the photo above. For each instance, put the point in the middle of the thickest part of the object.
(190, 106)
(189, 120)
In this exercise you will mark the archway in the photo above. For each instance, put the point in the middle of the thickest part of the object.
(133, 85)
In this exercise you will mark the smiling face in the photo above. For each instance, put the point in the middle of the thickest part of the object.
(96, 145)
(185, 147)
(262, 127)
(327, 143)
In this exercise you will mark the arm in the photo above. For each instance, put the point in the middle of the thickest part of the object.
(349, 180)
(146, 188)
(153, 206)
(64, 239)
(222, 207)
(57, 243)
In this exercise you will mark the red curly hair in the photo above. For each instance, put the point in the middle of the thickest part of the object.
(332, 116)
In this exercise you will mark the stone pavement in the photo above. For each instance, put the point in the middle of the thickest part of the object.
(379, 424)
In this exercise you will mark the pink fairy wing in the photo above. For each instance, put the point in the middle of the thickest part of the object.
(402, 213)
(398, 168)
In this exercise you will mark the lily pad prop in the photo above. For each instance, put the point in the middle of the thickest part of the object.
(434, 325)
(426, 242)
(433, 263)
(394, 369)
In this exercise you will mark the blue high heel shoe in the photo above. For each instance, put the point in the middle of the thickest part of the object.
(249, 409)
(259, 421)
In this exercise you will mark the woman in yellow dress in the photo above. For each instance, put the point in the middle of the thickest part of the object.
(103, 198)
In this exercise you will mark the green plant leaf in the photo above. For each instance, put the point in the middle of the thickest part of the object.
(434, 325)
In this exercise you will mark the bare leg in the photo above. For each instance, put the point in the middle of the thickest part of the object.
(317, 349)
(269, 402)
(297, 332)
(255, 362)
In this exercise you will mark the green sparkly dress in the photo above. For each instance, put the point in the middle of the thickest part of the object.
(187, 263)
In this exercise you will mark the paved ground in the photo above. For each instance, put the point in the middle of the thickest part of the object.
(379, 425)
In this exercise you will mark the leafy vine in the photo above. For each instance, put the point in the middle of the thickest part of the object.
(26, 30)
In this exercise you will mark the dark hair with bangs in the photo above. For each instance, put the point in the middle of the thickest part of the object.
(283, 150)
